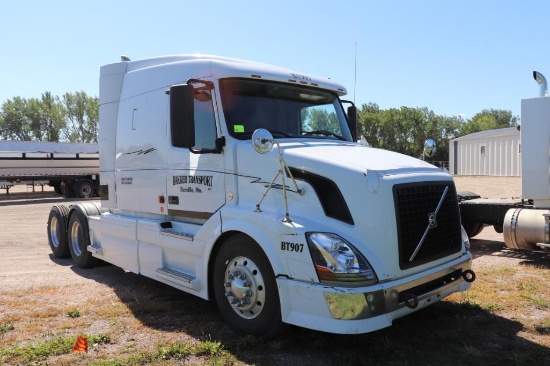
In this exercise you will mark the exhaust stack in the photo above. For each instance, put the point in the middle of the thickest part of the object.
(541, 80)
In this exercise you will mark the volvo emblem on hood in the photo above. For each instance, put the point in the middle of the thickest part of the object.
(432, 223)
(432, 220)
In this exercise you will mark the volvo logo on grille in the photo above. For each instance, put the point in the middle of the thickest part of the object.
(432, 223)
(432, 220)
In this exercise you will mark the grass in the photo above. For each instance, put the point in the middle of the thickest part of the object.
(37, 351)
(73, 314)
(6, 327)
(204, 352)
(129, 320)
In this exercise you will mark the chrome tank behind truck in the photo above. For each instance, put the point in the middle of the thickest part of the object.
(528, 227)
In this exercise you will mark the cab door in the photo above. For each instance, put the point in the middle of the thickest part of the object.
(196, 179)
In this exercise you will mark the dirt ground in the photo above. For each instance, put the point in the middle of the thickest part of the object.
(25, 256)
(26, 259)
(28, 267)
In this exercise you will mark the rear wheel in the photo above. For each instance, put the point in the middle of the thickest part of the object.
(57, 231)
(245, 288)
(57, 188)
(79, 239)
(85, 189)
(473, 229)
(466, 196)
(67, 188)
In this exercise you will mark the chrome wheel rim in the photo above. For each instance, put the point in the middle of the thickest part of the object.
(244, 287)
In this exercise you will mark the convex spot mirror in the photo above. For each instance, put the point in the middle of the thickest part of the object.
(429, 148)
(262, 141)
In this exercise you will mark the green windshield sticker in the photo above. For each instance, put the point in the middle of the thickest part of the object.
(238, 128)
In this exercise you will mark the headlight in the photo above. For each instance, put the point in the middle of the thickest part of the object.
(338, 262)
(465, 240)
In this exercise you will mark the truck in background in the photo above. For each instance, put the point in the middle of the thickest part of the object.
(70, 168)
(525, 221)
(242, 182)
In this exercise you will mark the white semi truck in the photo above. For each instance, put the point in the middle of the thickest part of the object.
(70, 168)
(525, 221)
(242, 182)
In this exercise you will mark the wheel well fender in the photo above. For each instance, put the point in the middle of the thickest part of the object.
(86, 208)
(261, 240)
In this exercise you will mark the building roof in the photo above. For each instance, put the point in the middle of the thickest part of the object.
(489, 134)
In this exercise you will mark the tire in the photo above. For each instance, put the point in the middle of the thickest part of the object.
(96, 189)
(79, 238)
(85, 189)
(245, 288)
(57, 188)
(473, 229)
(466, 196)
(66, 188)
(57, 231)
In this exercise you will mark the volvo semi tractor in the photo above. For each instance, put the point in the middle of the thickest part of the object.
(524, 221)
(242, 182)
(70, 168)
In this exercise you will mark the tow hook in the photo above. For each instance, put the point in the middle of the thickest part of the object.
(411, 301)
(469, 275)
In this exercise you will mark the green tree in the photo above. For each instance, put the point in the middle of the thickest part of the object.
(48, 118)
(14, 122)
(54, 116)
(405, 130)
(82, 117)
(489, 119)
(34, 113)
(369, 122)
(92, 111)
(32, 119)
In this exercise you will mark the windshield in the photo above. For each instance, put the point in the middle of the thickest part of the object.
(284, 110)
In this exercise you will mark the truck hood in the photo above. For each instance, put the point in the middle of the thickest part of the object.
(348, 156)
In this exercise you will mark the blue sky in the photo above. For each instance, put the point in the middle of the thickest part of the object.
(454, 57)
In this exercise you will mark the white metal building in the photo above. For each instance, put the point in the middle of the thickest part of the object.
(492, 152)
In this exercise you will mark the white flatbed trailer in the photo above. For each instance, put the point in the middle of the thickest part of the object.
(68, 167)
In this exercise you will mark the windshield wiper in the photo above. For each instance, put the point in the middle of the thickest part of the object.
(280, 133)
(322, 132)
(275, 133)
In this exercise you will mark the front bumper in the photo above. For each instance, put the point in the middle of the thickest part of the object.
(347, 310)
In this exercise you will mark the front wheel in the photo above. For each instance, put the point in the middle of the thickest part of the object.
(245, 288)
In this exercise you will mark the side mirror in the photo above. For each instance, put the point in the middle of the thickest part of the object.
(429, 148)
(352, 121)
(262, 141)
(182, 115)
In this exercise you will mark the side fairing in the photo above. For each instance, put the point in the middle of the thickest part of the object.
(140, 174)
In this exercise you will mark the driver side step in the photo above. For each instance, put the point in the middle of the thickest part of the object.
(178, 277)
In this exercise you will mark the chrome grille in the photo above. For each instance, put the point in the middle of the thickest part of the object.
(425, 233)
